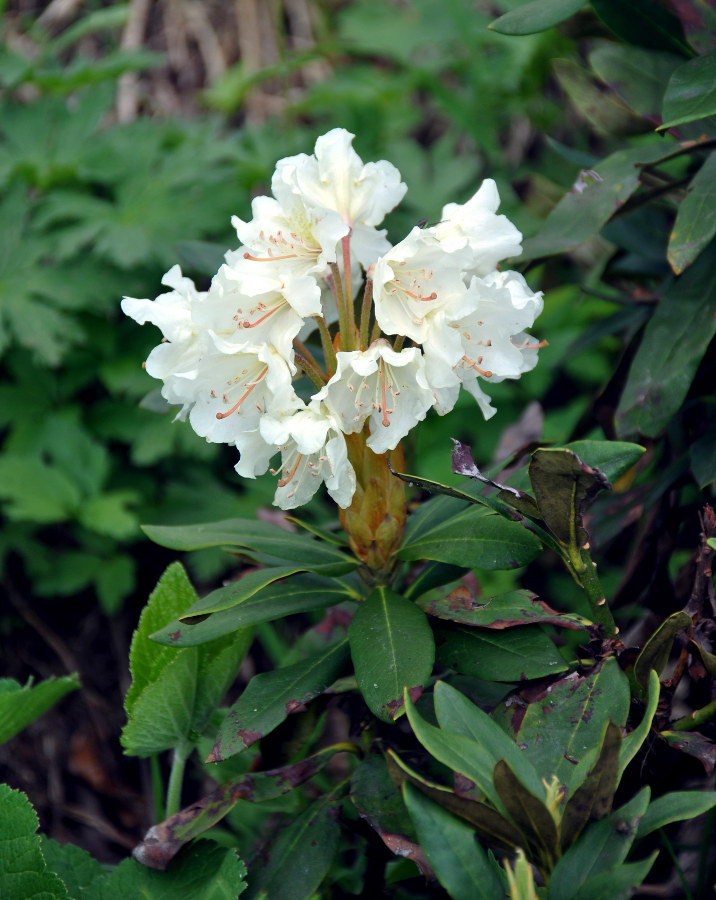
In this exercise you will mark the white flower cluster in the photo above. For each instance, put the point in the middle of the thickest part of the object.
(231, 355)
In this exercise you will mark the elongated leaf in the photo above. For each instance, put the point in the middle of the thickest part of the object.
(22, 704)
(566, 722)
(657, 649)
(302, 853)
(504, 611)
(491, 826)
(236, 593)
(695, 223)
(674, 342)
(639, 76)
(591, 202)
(615, 883)
(271, 696)
(458, 714)
(612, 458)
(459, 753)
(378, 799)
(675, 807)
(694, 744)
(528, 812)
(393, 648)
(268, 543)
(691, 94)
(699, 20)
(476, 541)
(539, 15)
(644, 23)
(300, 593)
(601, 848)
(461, 865)
(592, 800)
(633, 741)
(163, 841)
(515, 654)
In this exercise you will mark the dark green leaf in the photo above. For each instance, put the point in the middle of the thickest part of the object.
(236, 593)
(695, 223)
(639, 76)
(300, 593)
(378, 800)
(674, 342)
(605, 110)
(504, 611)
(22, 704)
(612, 458)
(644, 23)
(699, 20)
(459, 862)
(75, 866)
(163, 841)
(703, 459)
(302, 853)
(657, 649)
(691, 94)
(634, 740)
(675, 807)
(600, 850)
(592, 800)
(528, 812)
(516, 654)
(393, 648)
(615, 883)
(268, 543)
(694, 744)
(592, 201)
(565, 723)
(271, 696)
(539, 15)
(475, 539)
(564, 486)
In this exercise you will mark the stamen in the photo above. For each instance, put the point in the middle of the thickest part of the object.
(223, 415)
(289, 475)
(473, 365)
(269, 258)
(247, 324)
(527, 346)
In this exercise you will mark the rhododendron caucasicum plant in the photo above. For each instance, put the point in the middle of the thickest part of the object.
(313, 269)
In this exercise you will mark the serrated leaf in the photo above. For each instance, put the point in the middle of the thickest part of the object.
(268, 543)
(271, 696)
(539, 15)
(23, 870)
(515, 654)
(476, 540)
(203, 871)
(163, 841)
(305, 849)
(74, 866)
(460, 864)
(675, 807)
(691, 93)
(565, 723)
(657, 649)
(300, 593)
(594, 198)
(504, 611)
(674, 342)
(393, 649)
(695, 223)
(20, 705)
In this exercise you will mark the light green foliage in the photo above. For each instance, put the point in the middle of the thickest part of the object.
(22, 704)
(174, 692)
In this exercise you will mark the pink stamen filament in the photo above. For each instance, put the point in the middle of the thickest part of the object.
(269, 258)
(473, 365)
(223, 415)
(285, 480)
(247, 324)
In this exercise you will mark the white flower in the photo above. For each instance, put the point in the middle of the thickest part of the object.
(286, 247)
(335, 178)
(235, 320)
(233, 390)
(490, 237)
(387, 388)
(313, 451)
(174, 361)
(416, 285)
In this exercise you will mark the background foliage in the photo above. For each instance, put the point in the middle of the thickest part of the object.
(128, 138)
